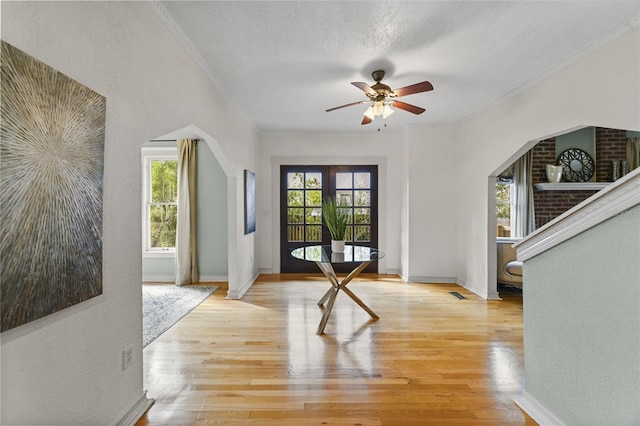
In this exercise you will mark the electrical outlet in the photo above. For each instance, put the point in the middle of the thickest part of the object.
(127, 357)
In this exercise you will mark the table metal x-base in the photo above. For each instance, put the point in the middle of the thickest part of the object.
(336, 286)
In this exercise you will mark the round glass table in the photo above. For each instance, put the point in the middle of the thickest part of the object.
(359, 256)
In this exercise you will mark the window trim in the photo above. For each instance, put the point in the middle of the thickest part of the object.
(150, 154)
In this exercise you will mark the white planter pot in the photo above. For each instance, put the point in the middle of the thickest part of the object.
(337, 246)
(554, 173)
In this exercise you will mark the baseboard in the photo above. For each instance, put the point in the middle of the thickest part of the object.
(537, 411)
(494, 295)
(453, 280)
(172, 278)
(477, 290)
(237, 294)
(214, 278)
(432, 280)
(135, 412)
(158, 278)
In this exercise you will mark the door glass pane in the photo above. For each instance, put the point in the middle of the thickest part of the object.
(362, 180)
(362, 198)
(344, 198)
(343, 180)
(294, 180)
(313, 198)
(349, 234)
(314, 233)
(295, 233)
(294, 216)
(349, 213)
(295, 198)
(363, 233)
(362, 216)
(313, 216)
(313, 180)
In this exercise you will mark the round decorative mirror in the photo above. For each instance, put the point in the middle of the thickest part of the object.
(577, 165)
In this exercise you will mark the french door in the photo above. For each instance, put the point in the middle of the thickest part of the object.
(302, 189)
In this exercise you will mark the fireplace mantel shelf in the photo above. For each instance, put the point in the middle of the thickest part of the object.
(571, 186)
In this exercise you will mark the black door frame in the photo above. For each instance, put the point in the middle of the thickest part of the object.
(288, 264)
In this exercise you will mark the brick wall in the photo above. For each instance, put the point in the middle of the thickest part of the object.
(611, 144)
(543, 153)
(551, 204)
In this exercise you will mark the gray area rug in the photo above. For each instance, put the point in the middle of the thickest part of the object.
(163, 305)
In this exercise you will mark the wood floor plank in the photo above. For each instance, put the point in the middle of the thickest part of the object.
(431, 358)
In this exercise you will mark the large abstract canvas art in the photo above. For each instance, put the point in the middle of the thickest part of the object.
(52, 132)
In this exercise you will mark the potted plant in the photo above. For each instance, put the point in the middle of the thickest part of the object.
(336, 220)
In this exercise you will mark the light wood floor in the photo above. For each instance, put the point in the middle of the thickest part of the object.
(430, 359)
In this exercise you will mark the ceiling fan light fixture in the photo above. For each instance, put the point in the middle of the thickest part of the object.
(387, 111)
(369, 113)
(378, 108)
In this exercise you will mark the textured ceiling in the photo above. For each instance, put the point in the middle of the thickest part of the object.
(285, 62)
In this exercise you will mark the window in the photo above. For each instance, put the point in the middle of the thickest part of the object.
(160, 201)
(504, 208)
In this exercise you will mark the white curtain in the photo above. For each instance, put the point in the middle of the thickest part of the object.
(186, 259)
(524, 222)
(633, 153)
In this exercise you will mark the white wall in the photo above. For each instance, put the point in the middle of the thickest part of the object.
(66, 368)
(601, 89)
(431, 205)
(212, 217)
(582, 325)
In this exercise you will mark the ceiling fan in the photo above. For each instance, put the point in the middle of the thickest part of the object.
(381, 97)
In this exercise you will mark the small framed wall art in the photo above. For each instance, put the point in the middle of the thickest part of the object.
(249, 202)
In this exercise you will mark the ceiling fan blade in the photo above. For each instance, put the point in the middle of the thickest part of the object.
(343, 106)
(425, 86)
(365, 88)
(366, 120)
(408, 107)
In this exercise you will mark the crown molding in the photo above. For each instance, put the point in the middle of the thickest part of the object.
(178, 34)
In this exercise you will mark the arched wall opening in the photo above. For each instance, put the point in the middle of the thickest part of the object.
(603, 147)
(216, 202)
